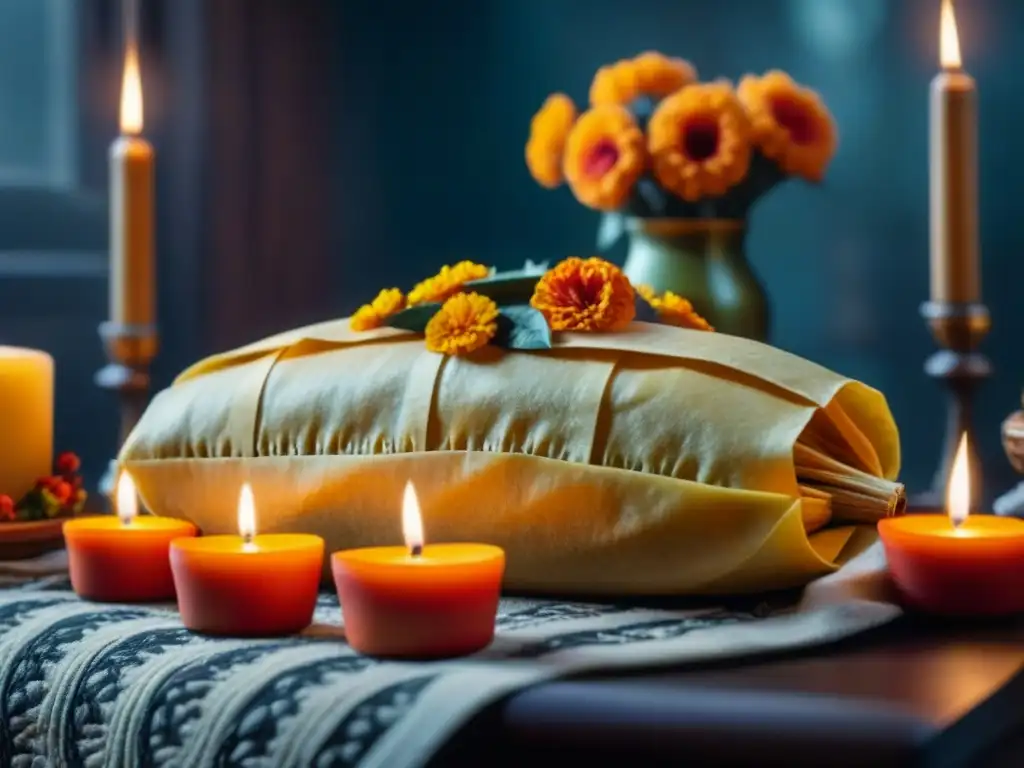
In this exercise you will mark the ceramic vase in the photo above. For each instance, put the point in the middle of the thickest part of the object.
(705, 261)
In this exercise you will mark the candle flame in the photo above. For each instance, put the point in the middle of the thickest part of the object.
(958, 495)
(412, 521)
(949, 40)
(131, 92)
(127, 499)
(246, 514)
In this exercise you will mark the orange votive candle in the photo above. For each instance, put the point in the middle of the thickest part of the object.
(957, 564)
(123, 558)
(415, 601)
(247, 585)
(974, 569)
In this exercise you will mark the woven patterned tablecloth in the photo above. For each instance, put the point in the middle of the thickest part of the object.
(83, 684)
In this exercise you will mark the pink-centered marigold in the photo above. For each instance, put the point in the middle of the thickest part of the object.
(790, 124)
(604, 157)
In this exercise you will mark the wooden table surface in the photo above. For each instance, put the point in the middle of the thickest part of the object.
(915, 693)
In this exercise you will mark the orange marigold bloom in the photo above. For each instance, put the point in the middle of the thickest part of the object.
(464, 323)
(369, 316)
(447, 282)
(545, 148)
(646, 293)
(649, 74)
(585, 295)
(604, 156)
(699, 141)
(790, 124)
(673, 309)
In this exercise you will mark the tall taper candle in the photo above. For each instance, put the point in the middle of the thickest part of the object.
(132, 291)
(954, 174)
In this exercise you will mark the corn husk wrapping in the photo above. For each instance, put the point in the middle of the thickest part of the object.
(656, 460)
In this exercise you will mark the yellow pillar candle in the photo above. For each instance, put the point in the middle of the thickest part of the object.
(132, 278)
(26, 419)
(954, 174)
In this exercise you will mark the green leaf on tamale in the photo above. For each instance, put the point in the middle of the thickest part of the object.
(506, 288)
(644, 311)
(414, 318)
(520, 326)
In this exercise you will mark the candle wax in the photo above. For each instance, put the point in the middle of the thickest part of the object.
(26, 419)
(955, 273)
(974, 570)
(110, 561)
(264, 588)
(440, 603)
(132, 273)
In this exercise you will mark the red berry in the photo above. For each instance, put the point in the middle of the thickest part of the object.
(63, 491)
(6, 508)
(68, 463)
(47, 482)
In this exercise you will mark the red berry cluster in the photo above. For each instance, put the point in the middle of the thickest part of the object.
(58, 495)
(7, 511)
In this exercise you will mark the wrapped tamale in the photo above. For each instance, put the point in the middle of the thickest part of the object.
(653, 460)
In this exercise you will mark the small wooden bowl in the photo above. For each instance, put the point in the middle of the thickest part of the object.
(20, 541)
(1013, 440)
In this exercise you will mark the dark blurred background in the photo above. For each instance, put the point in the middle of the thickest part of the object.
(313, 151)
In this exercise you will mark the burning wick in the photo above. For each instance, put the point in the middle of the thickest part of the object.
(958, 495)
(127, 500)
(412, 522)
(246, 516)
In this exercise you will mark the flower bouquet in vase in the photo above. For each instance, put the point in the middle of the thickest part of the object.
(678, 164)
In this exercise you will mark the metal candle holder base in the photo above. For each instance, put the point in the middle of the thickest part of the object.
(958, 328)
(130, 350)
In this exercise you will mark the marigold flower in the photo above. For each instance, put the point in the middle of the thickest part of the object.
(647, 293)
(464, 323)
(649, 74)
(790, 124)
(673, 309)
(373, 315)
(585, 295)
(545, 149)
(447, 282)
(699, 141)
(604, 156)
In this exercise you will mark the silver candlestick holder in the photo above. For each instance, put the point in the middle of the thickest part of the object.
(958, 328)
(130, 351)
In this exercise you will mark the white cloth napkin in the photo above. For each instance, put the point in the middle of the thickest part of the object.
(51, 566)
(864, 578)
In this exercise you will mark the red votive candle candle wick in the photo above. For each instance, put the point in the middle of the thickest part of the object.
(976, 569)
(419, 602)
(247, 585)
(957, 564)
(123, 558)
